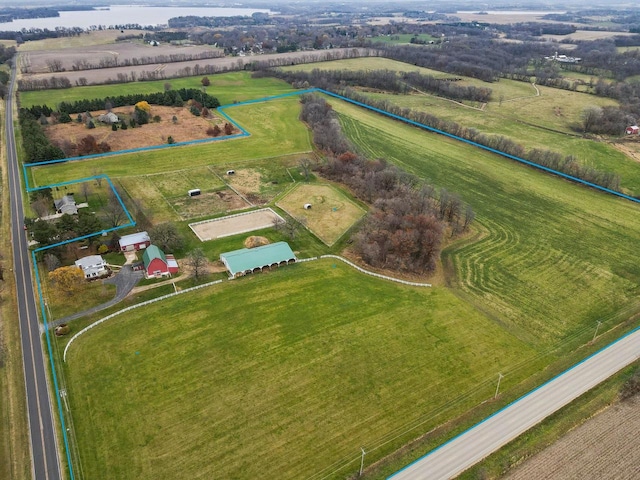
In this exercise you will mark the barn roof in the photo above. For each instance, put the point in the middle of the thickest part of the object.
(152, 252)
(134, 239)
(247, 259)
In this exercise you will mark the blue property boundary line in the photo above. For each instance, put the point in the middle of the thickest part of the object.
(245, 133)
(517, 400)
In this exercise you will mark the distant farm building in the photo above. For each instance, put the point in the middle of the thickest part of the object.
(66, 204)
(250, 260)
(93, 266)
(157, 264)
(134, 242)
(632, 130)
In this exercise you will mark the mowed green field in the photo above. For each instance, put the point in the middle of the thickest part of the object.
(277, 375)
(274, 127)
(227, 87)
(553, 257)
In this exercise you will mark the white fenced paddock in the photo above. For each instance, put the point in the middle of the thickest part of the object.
(235, 224)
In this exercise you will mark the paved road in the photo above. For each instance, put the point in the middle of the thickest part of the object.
(44, 447)
(462, 452)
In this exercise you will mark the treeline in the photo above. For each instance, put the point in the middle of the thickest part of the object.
(36, 145)
(54, 82)
(566, 164)
(167, 98)
(387, 80)
(405, 226)
(608, 120)
(111, 62)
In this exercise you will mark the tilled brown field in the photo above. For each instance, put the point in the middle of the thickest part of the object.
(606, 447)
(38, 61)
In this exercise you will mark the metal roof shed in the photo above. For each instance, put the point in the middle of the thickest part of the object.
(249, 260)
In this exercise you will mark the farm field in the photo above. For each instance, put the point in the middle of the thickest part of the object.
(402, 38)
(101, 37)
(522, 108)
(38, 61)
(605, 447)
(537, 266)
(331, 214)
(227, 87)
(532, 277)
(266, 121)
(274, 366)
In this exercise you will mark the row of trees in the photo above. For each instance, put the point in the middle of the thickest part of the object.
(37, 146)
(56, 64)
(167, 98)
(387, 80)
(404, 228)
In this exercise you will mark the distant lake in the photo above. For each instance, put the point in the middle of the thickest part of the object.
(123, 14)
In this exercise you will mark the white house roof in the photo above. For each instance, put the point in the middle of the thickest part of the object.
(90, 261)
(134, 239)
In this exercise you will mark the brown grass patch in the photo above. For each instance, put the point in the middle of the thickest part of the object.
(188, 127)
(331, 213)
(208, 204)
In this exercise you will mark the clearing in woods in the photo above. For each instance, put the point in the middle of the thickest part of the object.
(331, 213)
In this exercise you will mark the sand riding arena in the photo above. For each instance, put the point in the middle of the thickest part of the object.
(235, 224)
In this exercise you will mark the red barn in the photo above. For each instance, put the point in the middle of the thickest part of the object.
(157, 264)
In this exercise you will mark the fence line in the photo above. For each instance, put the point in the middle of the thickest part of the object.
(132, 307)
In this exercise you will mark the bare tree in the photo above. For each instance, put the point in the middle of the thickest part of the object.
(197, 261)
(85, 189)
(51, 261)
(305, 166)
(97, 176)
(113, 213)
(42, 206)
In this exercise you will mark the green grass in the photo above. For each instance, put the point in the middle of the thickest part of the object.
(227, 87)
(538, 266)
(401, 38)
(308, 358)
(266, 121)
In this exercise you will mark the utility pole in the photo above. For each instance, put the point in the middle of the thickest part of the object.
(362, 461)
(498, 386)
(596, 332)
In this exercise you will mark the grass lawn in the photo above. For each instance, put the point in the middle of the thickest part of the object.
(266, 121)
(259, 373)
(402, 38)
(538, 266)
(227, 87)
(331, 214)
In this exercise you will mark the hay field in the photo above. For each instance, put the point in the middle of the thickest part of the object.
(278, 375)
(538, 265)
(102, 37)
(331, 214)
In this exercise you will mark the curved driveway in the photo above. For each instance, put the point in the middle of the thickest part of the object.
(465, 450)
(42, 432)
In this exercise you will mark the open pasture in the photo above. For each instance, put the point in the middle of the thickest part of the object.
(331, 213)
(227, 87)
(277, 119)
(281, 375)
(538, 266)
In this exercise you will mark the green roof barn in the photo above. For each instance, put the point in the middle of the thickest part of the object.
(249, 260)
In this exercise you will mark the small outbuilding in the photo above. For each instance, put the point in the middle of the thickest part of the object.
(307, 206)
(250, 260)
(134, 242)
(632, 130)
(157, 264)
(93, 266)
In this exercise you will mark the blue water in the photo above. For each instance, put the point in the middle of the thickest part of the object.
(123, 14)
